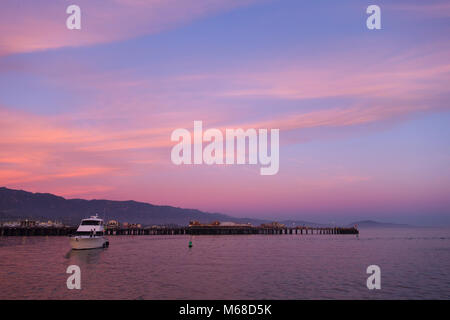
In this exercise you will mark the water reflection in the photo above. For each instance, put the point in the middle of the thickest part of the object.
(83, 257)
(224, 267)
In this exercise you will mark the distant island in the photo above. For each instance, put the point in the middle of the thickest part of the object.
(375, 224)
(19, 204)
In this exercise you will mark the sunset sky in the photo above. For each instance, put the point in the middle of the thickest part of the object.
(364, 115)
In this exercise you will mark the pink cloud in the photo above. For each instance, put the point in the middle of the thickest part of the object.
(425, 9)
(338, 77)
(41, 25)
(341, 117)
(40, 149)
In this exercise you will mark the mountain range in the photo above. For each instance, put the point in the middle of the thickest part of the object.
(19, 204)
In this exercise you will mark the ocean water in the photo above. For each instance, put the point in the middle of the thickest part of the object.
(415, 264)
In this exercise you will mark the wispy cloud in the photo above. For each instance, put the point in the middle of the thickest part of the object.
(424, 9)
(39, 25)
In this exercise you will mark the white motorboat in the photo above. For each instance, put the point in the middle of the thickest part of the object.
(89, 235)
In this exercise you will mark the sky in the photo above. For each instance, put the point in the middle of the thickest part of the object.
(363, 114)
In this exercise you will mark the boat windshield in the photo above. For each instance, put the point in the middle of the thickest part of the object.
(90, 223)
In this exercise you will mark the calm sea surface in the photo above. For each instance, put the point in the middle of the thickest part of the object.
(415, 264)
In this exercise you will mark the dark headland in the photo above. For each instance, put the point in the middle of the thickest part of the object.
(18, 204)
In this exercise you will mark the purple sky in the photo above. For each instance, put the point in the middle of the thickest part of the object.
(363, 114)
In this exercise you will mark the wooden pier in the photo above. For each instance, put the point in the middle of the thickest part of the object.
(198, 230)
(191, 230)
(36, 231)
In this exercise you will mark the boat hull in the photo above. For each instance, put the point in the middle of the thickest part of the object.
(81, 243)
